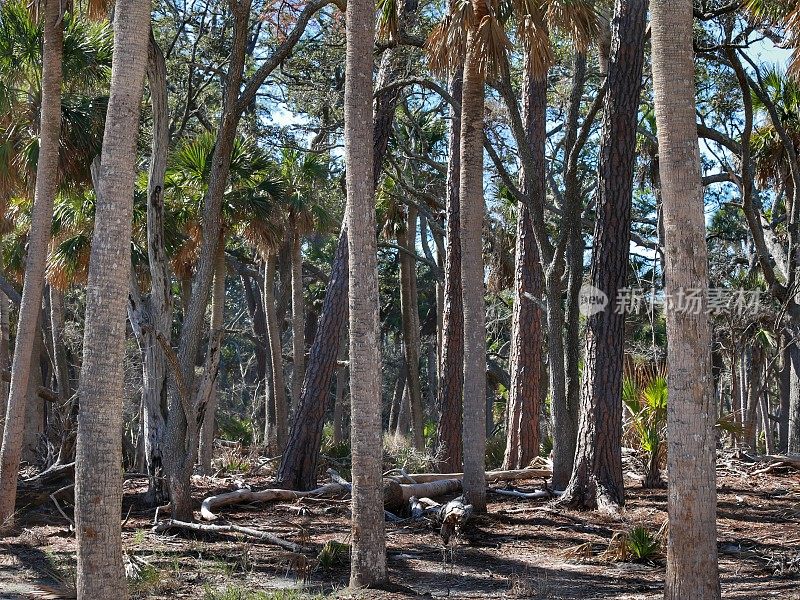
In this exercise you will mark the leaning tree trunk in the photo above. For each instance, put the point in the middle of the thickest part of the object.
(410, 317)
(279, 428)
(38, 239)
(368, 556)
(692, 570)
(209, 399)
(793, 442)
(451, 364)
(597, 473)
(98, 475)
(472, 272)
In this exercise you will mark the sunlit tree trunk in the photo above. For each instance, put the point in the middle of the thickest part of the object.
(368, 556)
(98, 471)
(692, 570)
(41, 216)
(472, 272)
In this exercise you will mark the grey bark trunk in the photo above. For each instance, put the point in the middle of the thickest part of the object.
(368, 556)
(42, 214)
(98, 460)
(692, 569)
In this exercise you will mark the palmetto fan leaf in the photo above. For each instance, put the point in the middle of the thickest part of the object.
(786, 14)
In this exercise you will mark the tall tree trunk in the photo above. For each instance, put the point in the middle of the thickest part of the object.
(409, 309)
(368, 556)
(575, 249)
(754, 393)
(38, 239)
(278, 433)
(298, 466)
(472, 272)
(210, 395)
(597, 473)
(298, 319)
(527, 385)
(342, 376)
(98, 475)
(692, 570)
(5, 352)
(182, 426)
(297, 469)
(151, 315)
(451, 365)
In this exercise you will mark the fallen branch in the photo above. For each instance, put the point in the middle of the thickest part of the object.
(246, 495)
(527, 495)
(261, 536)
(491, 476)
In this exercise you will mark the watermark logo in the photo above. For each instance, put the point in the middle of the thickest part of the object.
(711, 301)
(591, 300)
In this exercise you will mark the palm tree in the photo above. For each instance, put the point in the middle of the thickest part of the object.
(692, 569)
(368, 557)
(248, 210)
(98, 478)
(46, 185)
(785, 13)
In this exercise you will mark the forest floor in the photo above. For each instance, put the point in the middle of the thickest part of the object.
(520, 549)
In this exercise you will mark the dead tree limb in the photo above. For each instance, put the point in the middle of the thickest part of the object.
(262, 536)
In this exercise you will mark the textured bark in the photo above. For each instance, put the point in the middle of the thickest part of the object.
(150, 315)
(574, 253)
(368, 556)
(692, 570)
(409, 309)
(340, 433)
(298, 464)
(298, 319)
(472, 272)
(210, 391)
(451, 374)
(794, 402)
(276, 438)
(182, 426)
(5, 353)
(527, 382)
(596, 480)
(98, 475)
(298, 467)
(44, 195)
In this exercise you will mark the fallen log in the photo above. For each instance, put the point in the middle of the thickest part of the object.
(247, 495)
(491, 476)
(261, 536)
(527, 495)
